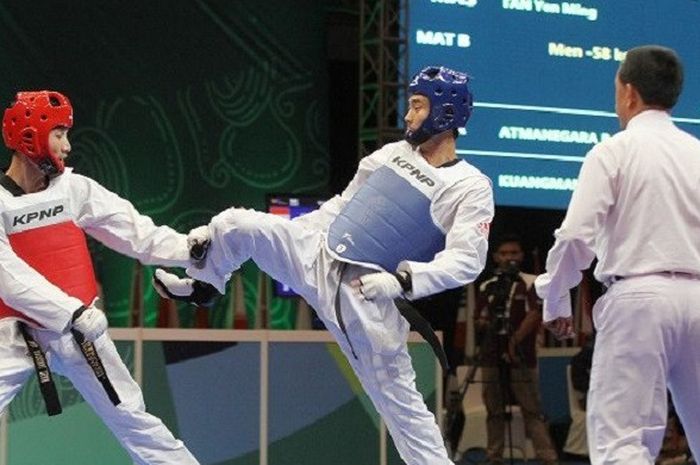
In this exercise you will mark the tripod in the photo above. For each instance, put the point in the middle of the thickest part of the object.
(503, 382)
(497, 377)
(496, 359)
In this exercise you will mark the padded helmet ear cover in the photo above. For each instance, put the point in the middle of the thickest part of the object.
(27, 123)
(451, 101)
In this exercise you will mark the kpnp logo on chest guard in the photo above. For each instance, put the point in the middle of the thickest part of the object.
(390, 219)
(417, 172)
(36, 216)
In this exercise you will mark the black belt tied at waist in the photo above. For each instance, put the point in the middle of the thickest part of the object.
(93, 360)
(409, 312)
(47, 386)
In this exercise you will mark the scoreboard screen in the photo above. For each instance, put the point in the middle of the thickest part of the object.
(543, 80)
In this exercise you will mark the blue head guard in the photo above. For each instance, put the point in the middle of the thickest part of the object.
(450, 101)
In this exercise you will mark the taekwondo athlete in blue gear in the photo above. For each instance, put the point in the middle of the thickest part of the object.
(413, 221)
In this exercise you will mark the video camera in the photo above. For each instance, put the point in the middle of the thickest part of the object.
(510, 271)
(499, 293)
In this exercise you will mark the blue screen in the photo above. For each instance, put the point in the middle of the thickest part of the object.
(543, 80)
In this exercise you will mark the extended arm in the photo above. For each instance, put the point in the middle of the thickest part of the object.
(573, 249)
(115, 222)
(460, 263)
(466, 245)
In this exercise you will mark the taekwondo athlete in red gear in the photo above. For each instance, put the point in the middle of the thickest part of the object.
(413, 222)
(47, 281)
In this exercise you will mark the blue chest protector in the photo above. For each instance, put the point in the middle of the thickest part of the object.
(387, 221)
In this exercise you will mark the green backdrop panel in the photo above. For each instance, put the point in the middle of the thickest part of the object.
(184, 108)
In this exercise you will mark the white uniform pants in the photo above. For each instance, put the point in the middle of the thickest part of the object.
(145, 437)
(378, 333)
(648, 339)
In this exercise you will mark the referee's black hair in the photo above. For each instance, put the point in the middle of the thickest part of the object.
(656, 72)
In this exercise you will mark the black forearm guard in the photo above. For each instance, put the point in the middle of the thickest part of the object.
(404, 279)
(204, 294)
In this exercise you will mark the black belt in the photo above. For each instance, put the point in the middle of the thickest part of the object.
(338, 313)
(43, 373)
(671, 274)
(90, 354)
(408, 311)
(421, 325)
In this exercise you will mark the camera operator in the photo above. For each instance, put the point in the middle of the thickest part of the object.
(507, 318)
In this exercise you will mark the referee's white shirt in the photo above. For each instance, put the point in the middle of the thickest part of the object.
(636, 207)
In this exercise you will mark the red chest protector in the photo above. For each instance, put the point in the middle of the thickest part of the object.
(58, 252)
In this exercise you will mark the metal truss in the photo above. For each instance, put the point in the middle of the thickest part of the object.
(383, 72)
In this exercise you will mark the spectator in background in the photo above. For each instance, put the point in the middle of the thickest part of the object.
(507, 319)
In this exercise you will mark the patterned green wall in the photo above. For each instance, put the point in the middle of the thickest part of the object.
(183, 107)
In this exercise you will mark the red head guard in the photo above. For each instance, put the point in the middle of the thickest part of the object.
(28, 121)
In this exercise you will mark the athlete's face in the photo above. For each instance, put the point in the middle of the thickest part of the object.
(508, 252)
(59, 145)
(418, 111)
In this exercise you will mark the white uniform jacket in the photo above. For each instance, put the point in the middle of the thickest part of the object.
(464, 210)
(98, 212)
